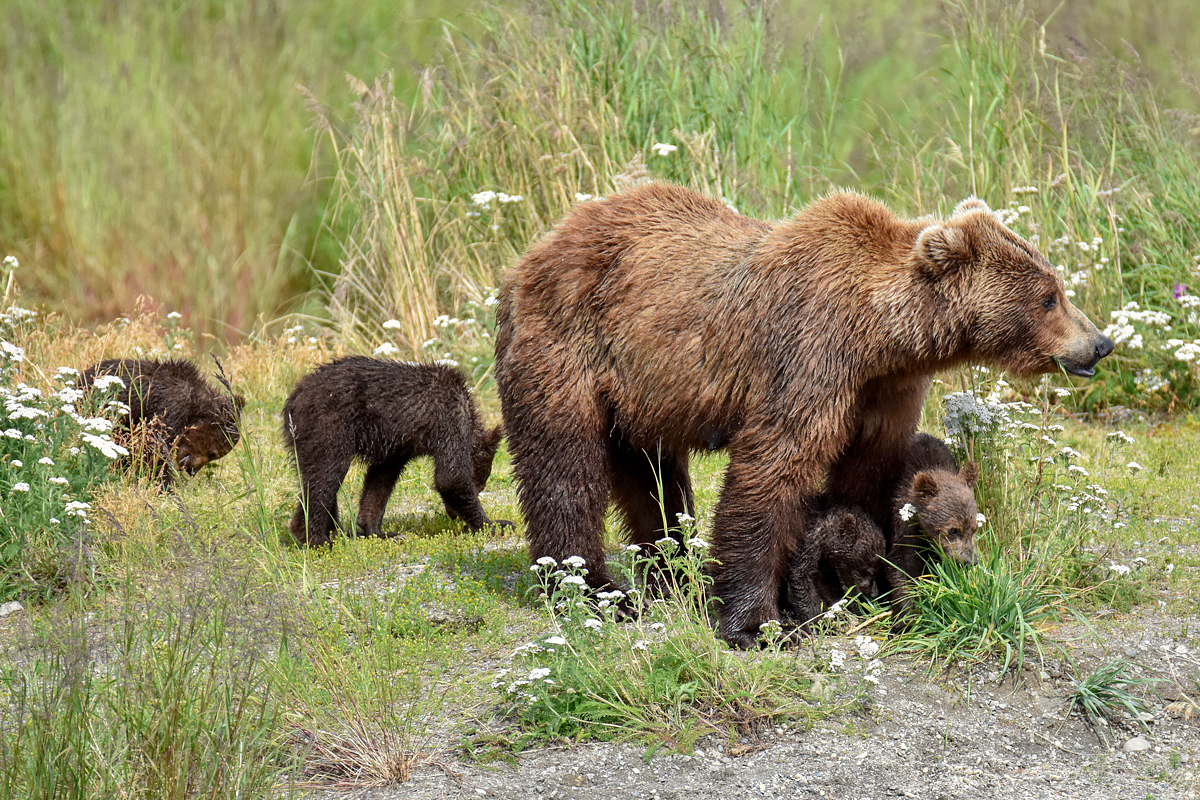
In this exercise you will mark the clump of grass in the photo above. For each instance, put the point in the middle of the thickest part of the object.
(176, 700)
(970, 613)
(664, 677)
(1101, 694)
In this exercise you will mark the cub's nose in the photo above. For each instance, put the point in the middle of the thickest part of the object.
(1103, 347)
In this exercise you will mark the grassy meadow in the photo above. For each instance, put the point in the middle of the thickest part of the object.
(201, 178)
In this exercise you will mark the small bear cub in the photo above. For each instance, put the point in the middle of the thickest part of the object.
(385, 413)
(181, 420)
(933, 508)
(843, 551)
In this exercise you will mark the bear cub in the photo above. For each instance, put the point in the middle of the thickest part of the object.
(933, 508)
(182, 420)
(843, 551)
(385, 413)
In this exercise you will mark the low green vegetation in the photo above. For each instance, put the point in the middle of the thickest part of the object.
(178, 644)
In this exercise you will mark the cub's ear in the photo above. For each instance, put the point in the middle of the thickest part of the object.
(969, 473)
(847, 524)
(943, 248)
(239, 401)
(969, 205)
(925, 486)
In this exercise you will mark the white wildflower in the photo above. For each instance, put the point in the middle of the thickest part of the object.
(46, 461)
(980, 519)
(107, 446)
(594, 624)
(537, 673)
(13, 352)
(1133, 466)
(103, 382)
(1077, 468)
(20, 487)
(867, 647)
(18, 463)
(580, 197)
(11, 262)
(573, 561)
(386, 349)
(547, 561)
(907, 511)
(392, 325)
(663, 149)
(59, 481)
(1120, 569)
(837, 659)
(697, 543)
(574, 580)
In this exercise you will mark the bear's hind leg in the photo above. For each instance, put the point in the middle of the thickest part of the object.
(316, 516)
(377, 490)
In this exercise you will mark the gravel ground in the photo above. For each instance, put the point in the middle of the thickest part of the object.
(958, 735)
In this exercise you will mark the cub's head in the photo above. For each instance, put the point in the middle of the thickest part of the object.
(860, 549)
(945, 510)
(482, 455)
(1005, 297)
(211, 435)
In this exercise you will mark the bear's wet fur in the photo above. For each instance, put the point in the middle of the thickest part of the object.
(933, 512)
(842, 551)
(177, 419)
(658, 321)
(385, 413)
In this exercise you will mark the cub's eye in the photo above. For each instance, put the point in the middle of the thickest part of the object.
(955, 533)
(1050, 301)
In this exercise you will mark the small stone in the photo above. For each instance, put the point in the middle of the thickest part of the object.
(10, 607)
(1137, 744)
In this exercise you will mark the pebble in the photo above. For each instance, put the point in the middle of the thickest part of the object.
(10, 607)
(1137, 744)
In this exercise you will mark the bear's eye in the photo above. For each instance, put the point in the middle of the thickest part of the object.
(955, 533)
(1050, 301)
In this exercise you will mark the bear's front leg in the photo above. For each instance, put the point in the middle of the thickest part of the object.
(758, 519)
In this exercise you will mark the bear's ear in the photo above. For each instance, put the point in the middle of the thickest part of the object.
(943, 248)
(925, 486)
(969, 205)
(239, 401)
(969, 473)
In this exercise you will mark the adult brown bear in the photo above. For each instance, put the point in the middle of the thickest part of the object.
(658, 321)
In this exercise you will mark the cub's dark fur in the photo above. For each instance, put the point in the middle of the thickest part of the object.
(385, 413)
(181, 419)
(843, 550)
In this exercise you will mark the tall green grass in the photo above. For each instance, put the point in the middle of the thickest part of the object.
(1075, 148)
(163, 148)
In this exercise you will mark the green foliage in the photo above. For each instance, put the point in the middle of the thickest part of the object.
(1101, 694)
(179, 704)
(53, 454)
(663, 677)
(972, 613)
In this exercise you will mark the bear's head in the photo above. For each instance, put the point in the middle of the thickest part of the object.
(1005, 298)
(945, 510)
(859, 553)
(210, 435)
(482, 455)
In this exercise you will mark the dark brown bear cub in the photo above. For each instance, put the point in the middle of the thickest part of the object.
(186, 421)
(385, 413)
(933, 512)
(843, 550)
